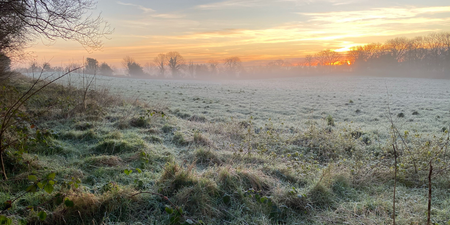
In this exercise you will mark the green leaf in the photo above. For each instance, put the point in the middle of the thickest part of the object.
(68, 203)
(263, 199)
(48, 188)
(32, 178)
(139, 170)
(128, 172)
(174, 219)
(169, 210)
(59, 199)
(3, 219)
(42, 215)
(23, 222)
(40, 185)
(51, 176)
(32, 189)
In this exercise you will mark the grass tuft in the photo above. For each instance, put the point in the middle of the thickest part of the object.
(113, 146)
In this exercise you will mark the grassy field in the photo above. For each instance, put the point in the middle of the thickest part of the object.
(288, 151)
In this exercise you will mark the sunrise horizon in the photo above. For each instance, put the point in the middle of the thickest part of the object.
(214, 30)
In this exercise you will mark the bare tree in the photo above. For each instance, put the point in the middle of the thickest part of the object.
(191, 68)
(327, 57)
(398, 48)
(175, 62)
(309, 60)
(233, 65)
(433, 45)
(213, 66)
(65, 19)
(160, 62)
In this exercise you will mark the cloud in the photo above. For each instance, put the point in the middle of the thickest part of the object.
(168, 16)
(270, 3)
(231, 3)
(374, 14)
(145, 9)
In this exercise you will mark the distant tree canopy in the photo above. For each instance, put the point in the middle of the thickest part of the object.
(233, 65)
(105, 69)
(160, 62)
(91, 66)
(175, 62)
(133, 68)
(419, 54)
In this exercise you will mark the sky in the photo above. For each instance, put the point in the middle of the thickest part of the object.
(254, 30)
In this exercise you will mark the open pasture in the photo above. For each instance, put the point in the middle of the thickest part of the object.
(419, 105)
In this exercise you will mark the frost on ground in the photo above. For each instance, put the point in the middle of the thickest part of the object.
(419, 105)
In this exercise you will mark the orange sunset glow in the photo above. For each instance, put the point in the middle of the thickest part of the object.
(255, 31)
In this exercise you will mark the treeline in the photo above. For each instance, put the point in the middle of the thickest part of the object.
(423, 56)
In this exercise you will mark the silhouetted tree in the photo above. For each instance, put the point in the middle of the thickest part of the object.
(202, 71)
(175, 62)
(5, 63)
(12, 28)
(309, 60)
(47, 67)
(233, 65)
(24, 20)
(160, 62)
(91, 66)
(133, 68)
(105, 69)
(213, 66)
(191, 68)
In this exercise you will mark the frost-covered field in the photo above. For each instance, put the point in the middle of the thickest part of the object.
(294, 101)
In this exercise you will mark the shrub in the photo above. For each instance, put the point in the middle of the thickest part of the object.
(122, 124)
(140, 122)
(80, 135)
(174, 177)
(321, 196)
(179, 140)
(154, 139)
(111, 146)
(400, 115)
(104, 160)
(340, 185)
(114, 135)
(83, 126)
(196, 118)
(167, 128)
(200, 139)
(330, 120)
(207, 156)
